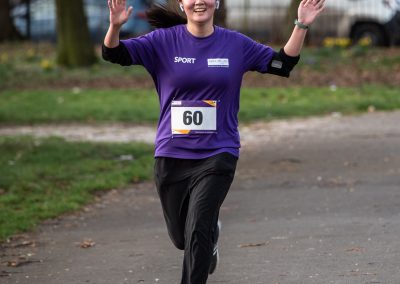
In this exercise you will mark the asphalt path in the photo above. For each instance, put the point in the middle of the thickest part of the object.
(313, 201)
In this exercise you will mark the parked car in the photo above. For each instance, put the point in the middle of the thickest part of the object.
(43, 19)
(353, 19)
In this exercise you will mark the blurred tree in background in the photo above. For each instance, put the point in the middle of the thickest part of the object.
(74, 46)
(291, 16)
(7, 28)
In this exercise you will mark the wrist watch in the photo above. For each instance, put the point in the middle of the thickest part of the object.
(301, 25)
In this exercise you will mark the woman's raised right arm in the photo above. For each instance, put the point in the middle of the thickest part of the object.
(112, 50)
(119, 15)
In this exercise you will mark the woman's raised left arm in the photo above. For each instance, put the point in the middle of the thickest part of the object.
(308, 11)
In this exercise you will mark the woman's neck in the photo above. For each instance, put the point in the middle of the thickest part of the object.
(199, 30)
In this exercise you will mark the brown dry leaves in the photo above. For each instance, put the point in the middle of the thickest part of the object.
(87, 243)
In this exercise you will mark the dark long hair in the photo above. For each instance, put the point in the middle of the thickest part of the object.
(164, 16)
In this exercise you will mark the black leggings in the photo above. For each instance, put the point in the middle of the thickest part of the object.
(191, 193)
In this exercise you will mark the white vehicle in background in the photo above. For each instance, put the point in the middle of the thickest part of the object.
(354, 19)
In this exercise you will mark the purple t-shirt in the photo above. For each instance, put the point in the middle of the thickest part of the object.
(198, 72)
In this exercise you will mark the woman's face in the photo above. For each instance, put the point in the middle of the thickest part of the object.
(199, 11)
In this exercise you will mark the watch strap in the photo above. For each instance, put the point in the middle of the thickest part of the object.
(301, 25)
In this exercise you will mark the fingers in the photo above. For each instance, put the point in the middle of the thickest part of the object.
(321, 9)
(316, 4)
(320, 4)
(116, 3)
(307, 2)
(130, 9)
(119, 5)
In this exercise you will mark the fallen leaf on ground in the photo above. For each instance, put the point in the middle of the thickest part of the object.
(252, 245)
(356, 249)
(23, 244)
(18, 263)
(12, 263)
(370, 273)
(87, 243)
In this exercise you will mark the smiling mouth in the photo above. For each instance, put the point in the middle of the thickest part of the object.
(199, 10)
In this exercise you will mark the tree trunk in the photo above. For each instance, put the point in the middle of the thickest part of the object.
(7, 28)
(74, 46)
(290, 17)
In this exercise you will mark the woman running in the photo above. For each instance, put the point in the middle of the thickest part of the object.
(197, 68)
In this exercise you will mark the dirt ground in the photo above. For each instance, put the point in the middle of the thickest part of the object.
(314, 201)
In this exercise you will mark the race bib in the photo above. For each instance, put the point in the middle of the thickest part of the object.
(193, 117)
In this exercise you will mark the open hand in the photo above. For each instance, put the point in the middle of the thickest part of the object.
(119, 15)
(309, 10)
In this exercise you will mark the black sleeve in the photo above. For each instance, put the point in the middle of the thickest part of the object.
(119, 55)
(282, 64)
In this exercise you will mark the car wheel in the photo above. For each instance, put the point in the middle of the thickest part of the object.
(373, 32)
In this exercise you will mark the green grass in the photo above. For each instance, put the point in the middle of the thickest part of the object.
(331, 59)
(136, 106)
(141, 106)
(23, 63)
(43, 178)
(301, 102)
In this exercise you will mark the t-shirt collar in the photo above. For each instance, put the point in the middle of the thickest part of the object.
(200, 38)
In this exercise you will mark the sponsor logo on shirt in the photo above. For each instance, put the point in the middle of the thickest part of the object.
(218, 62)
(185, 60)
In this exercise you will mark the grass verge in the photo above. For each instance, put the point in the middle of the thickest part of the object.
(43, 178)
(302, 102)
(141, 106)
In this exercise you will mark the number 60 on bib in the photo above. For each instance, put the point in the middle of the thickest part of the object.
(194, 117)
